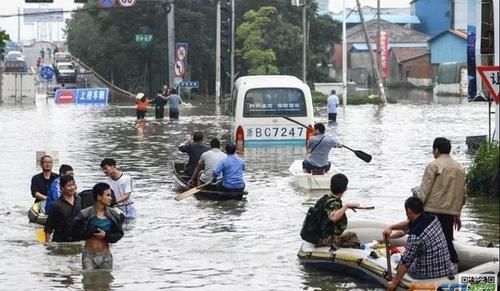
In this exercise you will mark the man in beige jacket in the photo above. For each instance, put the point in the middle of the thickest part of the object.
(443, 190)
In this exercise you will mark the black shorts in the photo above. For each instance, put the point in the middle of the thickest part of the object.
(173, 114)
(141, 114)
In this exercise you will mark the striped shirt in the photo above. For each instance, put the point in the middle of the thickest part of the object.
(426, 250)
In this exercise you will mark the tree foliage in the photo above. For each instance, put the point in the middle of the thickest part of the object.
(483, 176)
(4, 37)
(105, 40)
(256, 51)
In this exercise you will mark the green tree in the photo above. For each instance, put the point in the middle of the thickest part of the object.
(4, 37)
(256, 51)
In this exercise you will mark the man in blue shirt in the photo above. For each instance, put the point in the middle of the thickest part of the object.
(174, 100)
(55, 188)
(231, 168)
(332, 104)
(319, 147)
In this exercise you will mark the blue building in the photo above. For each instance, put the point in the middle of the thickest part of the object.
(437, 16)
(448, 46)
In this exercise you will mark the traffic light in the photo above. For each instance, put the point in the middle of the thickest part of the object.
(39, 1)
(226, 35)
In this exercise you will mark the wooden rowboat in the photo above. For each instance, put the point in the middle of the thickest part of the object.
(208, 193)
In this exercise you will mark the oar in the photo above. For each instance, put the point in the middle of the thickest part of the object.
(191, 191)
(388, 256)
(360, 154)
(363, 207)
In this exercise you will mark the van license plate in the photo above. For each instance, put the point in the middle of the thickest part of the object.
(278, 132)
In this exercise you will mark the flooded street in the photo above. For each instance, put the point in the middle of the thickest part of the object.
(203, 245)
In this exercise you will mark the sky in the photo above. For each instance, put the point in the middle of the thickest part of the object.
(336, 5)
(29, 32)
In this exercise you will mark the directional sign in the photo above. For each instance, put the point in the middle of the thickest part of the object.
(47, 72)
(82, 96)
(126, 3)
(106, 3)
(189, 84)
(179, 68)
(491, 77)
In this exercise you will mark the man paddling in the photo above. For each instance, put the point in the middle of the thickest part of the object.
(319, 147)
(194, 148)
(40, 183)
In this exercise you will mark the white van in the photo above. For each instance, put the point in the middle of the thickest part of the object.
(257, 107)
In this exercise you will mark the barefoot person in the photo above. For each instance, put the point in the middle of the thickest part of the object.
(100, 226)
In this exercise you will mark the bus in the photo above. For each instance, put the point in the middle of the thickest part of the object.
(257, 107)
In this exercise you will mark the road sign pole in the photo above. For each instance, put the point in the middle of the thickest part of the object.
(171, 44)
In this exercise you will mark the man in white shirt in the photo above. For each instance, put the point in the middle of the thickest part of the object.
(332, 104)
(207, 163)
(121, 184)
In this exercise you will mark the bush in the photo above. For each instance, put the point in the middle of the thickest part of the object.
(483, 175)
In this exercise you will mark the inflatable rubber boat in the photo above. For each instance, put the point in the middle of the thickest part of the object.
(370, 262)
(37, 214)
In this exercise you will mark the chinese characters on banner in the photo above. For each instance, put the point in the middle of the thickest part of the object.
(384, 54)
(82, 96)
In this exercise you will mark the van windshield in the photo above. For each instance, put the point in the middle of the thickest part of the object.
(274, 102)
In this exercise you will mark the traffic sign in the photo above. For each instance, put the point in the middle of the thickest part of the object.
(491, 77)
(189, 84)
(106, 3)
(179, 68)
(47, 72)
(126, 3)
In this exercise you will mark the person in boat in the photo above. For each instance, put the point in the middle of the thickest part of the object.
(99, 225)
(55, 190)
(40, 183)
(231, 168)
(319, 147)
(194, 147)
(208, 161)
(443, 191)
(121, 185)
(334, 234)
(426, 255)
(61, 215)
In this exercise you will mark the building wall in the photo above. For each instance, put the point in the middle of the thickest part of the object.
(434, 15)
(360, 59)
(448, 48)
(417, 68)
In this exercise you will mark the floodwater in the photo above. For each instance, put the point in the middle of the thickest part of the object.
(203, 245)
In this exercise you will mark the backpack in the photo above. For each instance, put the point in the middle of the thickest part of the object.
(316, 222)
(87, 197)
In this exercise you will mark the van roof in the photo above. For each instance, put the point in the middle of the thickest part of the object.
(270, 81)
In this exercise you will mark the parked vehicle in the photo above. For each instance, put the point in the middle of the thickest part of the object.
(14, 56)
(65, 72)
(62, 57)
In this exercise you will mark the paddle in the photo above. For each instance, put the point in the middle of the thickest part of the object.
(360, 154)
(363, 207)
(191, 191)
(388, 255)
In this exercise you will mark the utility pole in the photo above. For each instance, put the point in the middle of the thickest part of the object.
(171, 45)
(379, 52)
(344, 56)
(232, 46)
(18, 25)
(376, 72)
(217, 56)
(304, 41)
